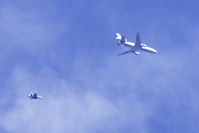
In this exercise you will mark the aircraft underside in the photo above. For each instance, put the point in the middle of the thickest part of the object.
(134, 47)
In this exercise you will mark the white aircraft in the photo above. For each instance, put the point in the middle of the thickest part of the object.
(134, 47)
(34, 96)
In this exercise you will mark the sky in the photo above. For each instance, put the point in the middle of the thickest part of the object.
(66, 52)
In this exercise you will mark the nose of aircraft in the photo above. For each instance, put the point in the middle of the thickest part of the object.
(155, 51)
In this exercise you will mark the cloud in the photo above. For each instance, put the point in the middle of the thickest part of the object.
(112, 97)
(98, 98)
(92, 92)
(64, 109)
(26, 26)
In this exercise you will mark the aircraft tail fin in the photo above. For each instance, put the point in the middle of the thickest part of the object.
(30, 94)
(120, 38)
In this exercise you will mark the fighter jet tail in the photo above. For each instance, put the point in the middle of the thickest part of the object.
(120, 38)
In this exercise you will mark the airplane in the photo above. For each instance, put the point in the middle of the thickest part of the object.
(34, 96)
(136, 47)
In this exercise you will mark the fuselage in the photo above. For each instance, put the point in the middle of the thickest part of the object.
(34, 96)
(141, 47)
(38, 97)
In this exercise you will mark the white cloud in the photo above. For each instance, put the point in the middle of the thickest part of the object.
(26, 26)
(121, 94)
(64, 109)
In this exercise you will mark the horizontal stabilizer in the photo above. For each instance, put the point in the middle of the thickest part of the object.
(120, 38)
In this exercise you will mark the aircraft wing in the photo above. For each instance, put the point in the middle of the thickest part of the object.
(39, 97)
(126, 52)
(129, 51)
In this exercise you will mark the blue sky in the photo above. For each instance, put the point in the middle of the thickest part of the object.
(65, 51)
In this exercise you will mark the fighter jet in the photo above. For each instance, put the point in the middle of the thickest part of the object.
(134, 47)
(34, 96)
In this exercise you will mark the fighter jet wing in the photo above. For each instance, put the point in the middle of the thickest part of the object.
(39, 97)
(129, 51)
